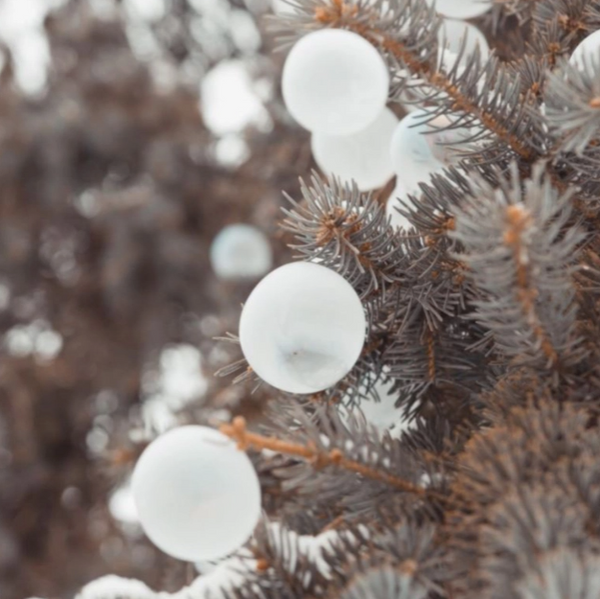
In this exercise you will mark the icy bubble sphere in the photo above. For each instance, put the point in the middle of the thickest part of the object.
(334, 82)
(587, 53)
(363, 157)
(240, 252)
(302, 328)
(187, 487)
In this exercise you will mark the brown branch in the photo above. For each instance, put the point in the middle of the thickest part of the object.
(341, 14)
(519, 220)
(431, 363)
(238, 432)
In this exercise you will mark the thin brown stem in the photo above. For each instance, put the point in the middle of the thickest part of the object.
(519, 220)
(431, 362)
(238, 432)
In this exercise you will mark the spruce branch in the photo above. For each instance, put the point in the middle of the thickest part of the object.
(319, 459)
(347, 231)
(572, 99)
(526, 494)
(521, 256)
(486, 94)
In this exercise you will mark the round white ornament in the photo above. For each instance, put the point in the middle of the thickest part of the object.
(240, 252)
(461, 9)
(302, 328)
(419, 150)
(587, 52)
(334, 82)
(188, 485)
(451, 35)
(363, 157)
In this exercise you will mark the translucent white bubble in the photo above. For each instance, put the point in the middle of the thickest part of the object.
(334, 82)
(241, 252)
(302, 328)
(587, 52)
(453, 32)
(363, 157)
(122, 505)
(197, 495)
(461, 9)
(419, 149)
(229, 102)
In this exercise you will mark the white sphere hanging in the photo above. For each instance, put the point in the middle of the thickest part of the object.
(240, 252)
(302, 328)
(461, 9)
(188, 485)
(587, 53)
(419, 150)
(334, 82)
(363, 157)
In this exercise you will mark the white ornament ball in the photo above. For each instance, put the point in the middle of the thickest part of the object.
(302, 328)
(413, 150)
(452, 33)
(420, 148)
(363, 157)
(334, 82)
(241, 252)
(587, 52)
(461, 9)
(197, 495)
(399, 199)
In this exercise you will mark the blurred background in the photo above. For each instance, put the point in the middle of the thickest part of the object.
(132, 134)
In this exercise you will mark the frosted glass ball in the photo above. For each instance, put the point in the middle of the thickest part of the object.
(587, 52)
(197, 495)
(418, 151)
(461, 9)
(451, 35)
(240, 252)
(363, 157)
(399, 199)
(302, 328)
(413, 151)
(334, 82)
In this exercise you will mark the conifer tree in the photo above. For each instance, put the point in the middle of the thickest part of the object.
(481, 325)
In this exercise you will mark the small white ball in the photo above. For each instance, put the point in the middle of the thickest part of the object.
(302, 328)
(399, 199)
(363, 157)
(197, 495)
(334, 82)
(412, 149)
(587, 52)
(241, 252)
(461, 9)
(452, 33)
(418, 151)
